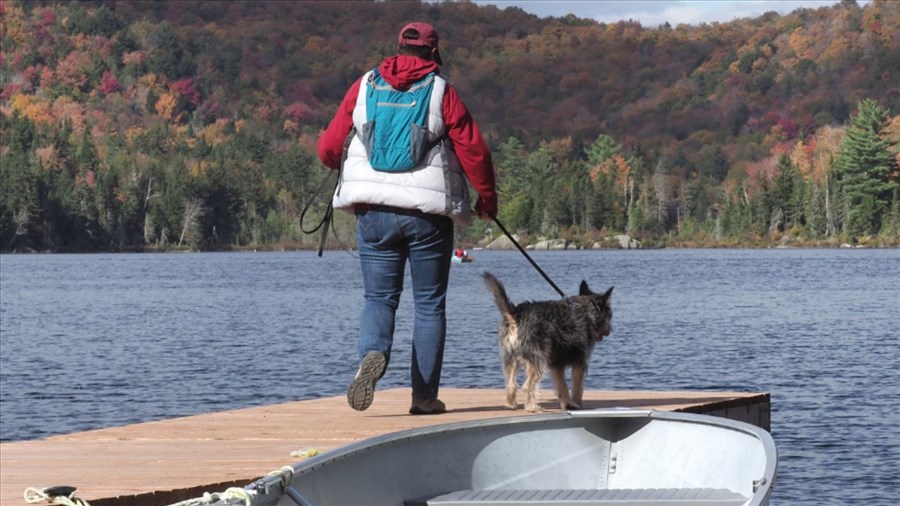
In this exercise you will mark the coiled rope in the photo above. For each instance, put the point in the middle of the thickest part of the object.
(54, 495)
(236, 493)
(230, 494)
(287, 474)
(66, 495)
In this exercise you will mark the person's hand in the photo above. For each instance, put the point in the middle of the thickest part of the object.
(486, 209)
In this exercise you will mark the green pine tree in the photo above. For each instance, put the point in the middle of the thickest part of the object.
(602, 149)
(863, 169)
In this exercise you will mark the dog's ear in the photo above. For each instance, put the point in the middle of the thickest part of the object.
(607, 295)
(583, 288)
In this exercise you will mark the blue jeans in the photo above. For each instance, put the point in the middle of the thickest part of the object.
(386, 238)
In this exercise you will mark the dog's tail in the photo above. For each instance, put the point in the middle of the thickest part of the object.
(506, 307)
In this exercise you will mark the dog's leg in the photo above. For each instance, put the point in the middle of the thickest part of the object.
(533, 377)
(578, 374)
(511, 370)
(562, 389)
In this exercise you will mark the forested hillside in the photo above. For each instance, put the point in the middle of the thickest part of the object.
(137, 125)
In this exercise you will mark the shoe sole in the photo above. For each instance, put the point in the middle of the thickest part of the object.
(361, 391)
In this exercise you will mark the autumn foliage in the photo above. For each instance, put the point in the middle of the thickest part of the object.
(133, 125)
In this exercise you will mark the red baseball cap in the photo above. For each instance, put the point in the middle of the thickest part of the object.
(425, 35)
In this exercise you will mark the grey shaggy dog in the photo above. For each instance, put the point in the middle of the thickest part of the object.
(549, 335)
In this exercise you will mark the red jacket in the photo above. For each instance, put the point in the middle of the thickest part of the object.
(401, 71)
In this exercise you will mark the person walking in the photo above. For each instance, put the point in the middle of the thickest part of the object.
(406, 183)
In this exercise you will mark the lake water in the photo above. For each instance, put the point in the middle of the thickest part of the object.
(91, 341)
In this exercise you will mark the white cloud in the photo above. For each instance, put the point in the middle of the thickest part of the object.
(652, 13)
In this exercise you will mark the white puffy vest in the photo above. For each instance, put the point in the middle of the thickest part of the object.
(437, 186)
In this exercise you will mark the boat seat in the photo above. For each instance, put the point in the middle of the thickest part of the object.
(615, 497)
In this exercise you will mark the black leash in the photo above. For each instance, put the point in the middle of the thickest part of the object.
(533, 263)
(326, 219)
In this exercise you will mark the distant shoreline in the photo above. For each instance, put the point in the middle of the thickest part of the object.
(529, 247)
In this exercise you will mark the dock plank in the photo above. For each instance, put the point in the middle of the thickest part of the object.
(166, 461)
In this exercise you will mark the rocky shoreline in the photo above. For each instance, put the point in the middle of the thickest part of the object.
(620, 241)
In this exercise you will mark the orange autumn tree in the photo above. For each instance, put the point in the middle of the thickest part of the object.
(166, 105)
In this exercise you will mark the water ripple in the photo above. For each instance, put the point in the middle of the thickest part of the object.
(91, 341)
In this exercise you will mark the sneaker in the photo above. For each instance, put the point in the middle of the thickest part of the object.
(361, 391)
(428, 407)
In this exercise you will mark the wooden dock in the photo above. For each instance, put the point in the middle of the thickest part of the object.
(167, 461)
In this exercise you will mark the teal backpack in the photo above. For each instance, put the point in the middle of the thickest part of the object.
(396, 130)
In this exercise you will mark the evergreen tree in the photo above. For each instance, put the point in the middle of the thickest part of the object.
(538, 174)
(787, 194)
(864, 168)
(601, 150)
(815, 213)
(18, 206)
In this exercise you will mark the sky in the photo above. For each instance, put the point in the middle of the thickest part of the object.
(652, 13)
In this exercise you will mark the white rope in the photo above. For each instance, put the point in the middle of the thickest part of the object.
(287, 474)
(35, 495)
(228, 495)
